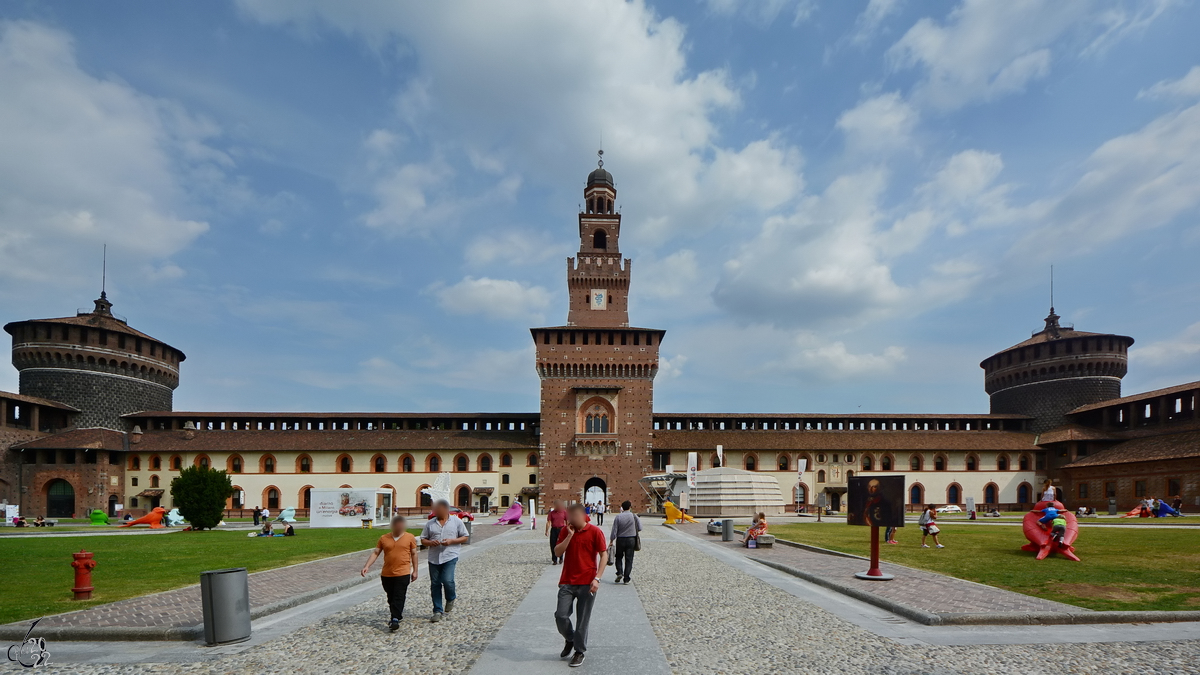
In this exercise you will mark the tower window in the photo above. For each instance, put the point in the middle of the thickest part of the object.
(600, 239)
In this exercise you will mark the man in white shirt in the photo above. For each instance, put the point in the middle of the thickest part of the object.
(266, 514)
(443, 535)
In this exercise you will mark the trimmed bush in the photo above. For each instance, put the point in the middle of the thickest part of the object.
(200, 493)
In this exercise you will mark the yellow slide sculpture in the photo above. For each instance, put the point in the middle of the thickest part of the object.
(674, 515)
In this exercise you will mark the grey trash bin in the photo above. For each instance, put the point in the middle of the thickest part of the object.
(727, 530)
(1112, 506)
(225, 596)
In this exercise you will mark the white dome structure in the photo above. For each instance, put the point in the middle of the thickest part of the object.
(734, 492)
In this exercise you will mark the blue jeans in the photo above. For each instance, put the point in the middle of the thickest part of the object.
(442, 577)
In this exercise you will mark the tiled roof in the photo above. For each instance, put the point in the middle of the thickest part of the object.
(338, 441)
(840, 416)
(91, 320)
(1184, 445)
(185, 415)
(1043, 337)
(37, 401)
(1179, 388)
(78, 439)
(1072, 432)
(844, 440)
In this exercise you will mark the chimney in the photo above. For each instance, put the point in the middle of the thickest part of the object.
(135, 436)
(189, 430)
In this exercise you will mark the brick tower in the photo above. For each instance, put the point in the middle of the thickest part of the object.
(1054, 372)
(95, 362)
(597, 372)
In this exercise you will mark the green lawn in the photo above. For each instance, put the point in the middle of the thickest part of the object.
(1122, 568)
(38, 576)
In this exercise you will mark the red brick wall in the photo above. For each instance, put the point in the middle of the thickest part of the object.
(1126, 476)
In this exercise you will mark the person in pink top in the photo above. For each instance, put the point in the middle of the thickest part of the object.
(556, 520)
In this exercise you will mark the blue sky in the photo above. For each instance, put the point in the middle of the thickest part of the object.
(831, 206)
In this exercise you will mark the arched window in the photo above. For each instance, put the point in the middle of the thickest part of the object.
(235, 500)
(406, 464)
(533, 459)
(155, 463)
(866, 463)
(716, 461)
(435, 463)
(344, 464)
(821, 476)
(533, 479)
(464, 497)
(177, 463)
(306, 497)
(272, 498)
(153, 481)
(972, 463)
(952, 493)
(939, 463)
(600, 239)
(916, 494)
(751, 463)
(485, 463)
(1024, 463)
(990, 494)
(380, 464)
(461, 463)
(135, 463)
(914, 463)
(202, 461)
(783, 463)
(235, 464)
(849, 475)
(1002, 463)
(305, 464)
(801, 494)
(1023, 493)
(423, 499)
(506, 459)
(268, 464)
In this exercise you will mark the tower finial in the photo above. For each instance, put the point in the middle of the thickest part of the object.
(1052, 289)
(600, 161)
(104, 271)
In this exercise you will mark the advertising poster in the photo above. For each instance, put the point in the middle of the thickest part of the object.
(876, 501)
(341, 507)
(691, 474)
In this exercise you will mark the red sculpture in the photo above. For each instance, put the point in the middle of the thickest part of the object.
(1040, 539)
(153, 519)
(83, 564)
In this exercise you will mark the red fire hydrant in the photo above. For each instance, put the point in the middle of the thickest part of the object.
(83, 564)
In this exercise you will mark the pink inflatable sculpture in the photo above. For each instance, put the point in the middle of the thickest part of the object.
(512, 516)
(1040, 539)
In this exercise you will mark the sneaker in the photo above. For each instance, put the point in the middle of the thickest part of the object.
(576, 660)
(626, 581)
(567, 650)
(449, 606)
(394, 625)
(437, 616)
(939, 546)
(924, 545)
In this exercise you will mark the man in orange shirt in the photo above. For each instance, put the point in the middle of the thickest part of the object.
(399, 549)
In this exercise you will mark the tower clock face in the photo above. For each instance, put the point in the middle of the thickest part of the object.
(599, 298)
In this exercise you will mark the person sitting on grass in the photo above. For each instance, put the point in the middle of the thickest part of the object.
(1058, 528)
(289, 531)
(266, 529)
(929, 526)
(40, 522)
(758, 527)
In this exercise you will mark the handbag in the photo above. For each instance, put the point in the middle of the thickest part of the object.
(933, 529)
(637, 542)
(612, 553)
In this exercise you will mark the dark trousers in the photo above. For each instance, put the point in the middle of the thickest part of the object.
(441, 577)
(396, 589)
(256, 518)
(582, 598)
(599, 519)
(554, 532)
(624, 555)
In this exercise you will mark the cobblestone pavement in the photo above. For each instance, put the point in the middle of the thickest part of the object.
(712, 618)
(928, 591)
(181, 607)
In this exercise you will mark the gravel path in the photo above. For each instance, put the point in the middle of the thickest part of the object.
(712, 618)
(490, 586)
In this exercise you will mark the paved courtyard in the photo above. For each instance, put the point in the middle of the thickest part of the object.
(694, 606)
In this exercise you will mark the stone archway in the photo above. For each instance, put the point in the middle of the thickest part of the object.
(60, 499)
(595, 491)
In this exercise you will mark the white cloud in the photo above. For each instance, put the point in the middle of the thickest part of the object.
(1169, 352)
(834, 361)
(867, 24)
(570, 72)
(1187, 86)
(671, 277)
(513, 247)
(497, 298)
(764, 12)
(671, 368)
(878, 125)
(84, 161)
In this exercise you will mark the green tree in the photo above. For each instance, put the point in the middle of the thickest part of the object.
(200, 493)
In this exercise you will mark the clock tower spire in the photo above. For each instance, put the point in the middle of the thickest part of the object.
(598, 277)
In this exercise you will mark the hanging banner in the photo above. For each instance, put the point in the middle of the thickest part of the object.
(721, 455)
(691, 474)
(801, 467)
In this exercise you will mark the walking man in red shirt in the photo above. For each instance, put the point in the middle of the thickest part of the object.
(584, 553)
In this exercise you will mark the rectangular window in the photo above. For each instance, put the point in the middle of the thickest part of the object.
(83, 336)
(1139, 488)
(1083, 490)
(572, 337)
(1173, 487)
(104, 338)
(1110, 489)
(560, 337)
(624, 338)
(661, 460)
(68, 456)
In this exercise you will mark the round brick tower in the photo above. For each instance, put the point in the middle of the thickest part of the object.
(95, 362)
(1054, 372)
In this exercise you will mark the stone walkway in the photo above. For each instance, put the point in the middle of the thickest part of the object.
(275, 588)
(919, 589)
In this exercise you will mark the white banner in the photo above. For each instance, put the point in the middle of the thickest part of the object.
(721, 454)
(691, 474)
(341, 507)
(801, 467)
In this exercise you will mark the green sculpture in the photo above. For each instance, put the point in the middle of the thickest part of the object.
(99, 517)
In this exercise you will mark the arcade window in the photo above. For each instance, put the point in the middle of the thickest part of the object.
(783, 463)
(380, 464)
(269, 465)
(533, 459)
(305, 465)
(939, 463)
(886, 463)
(485, 463)
(435, 464)
(972, 464)
(407, 464)
(751, 464)
(153, 481)
(236, 464)
(155, 463)
(460, 464)
(345, 465)
(177, 463)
